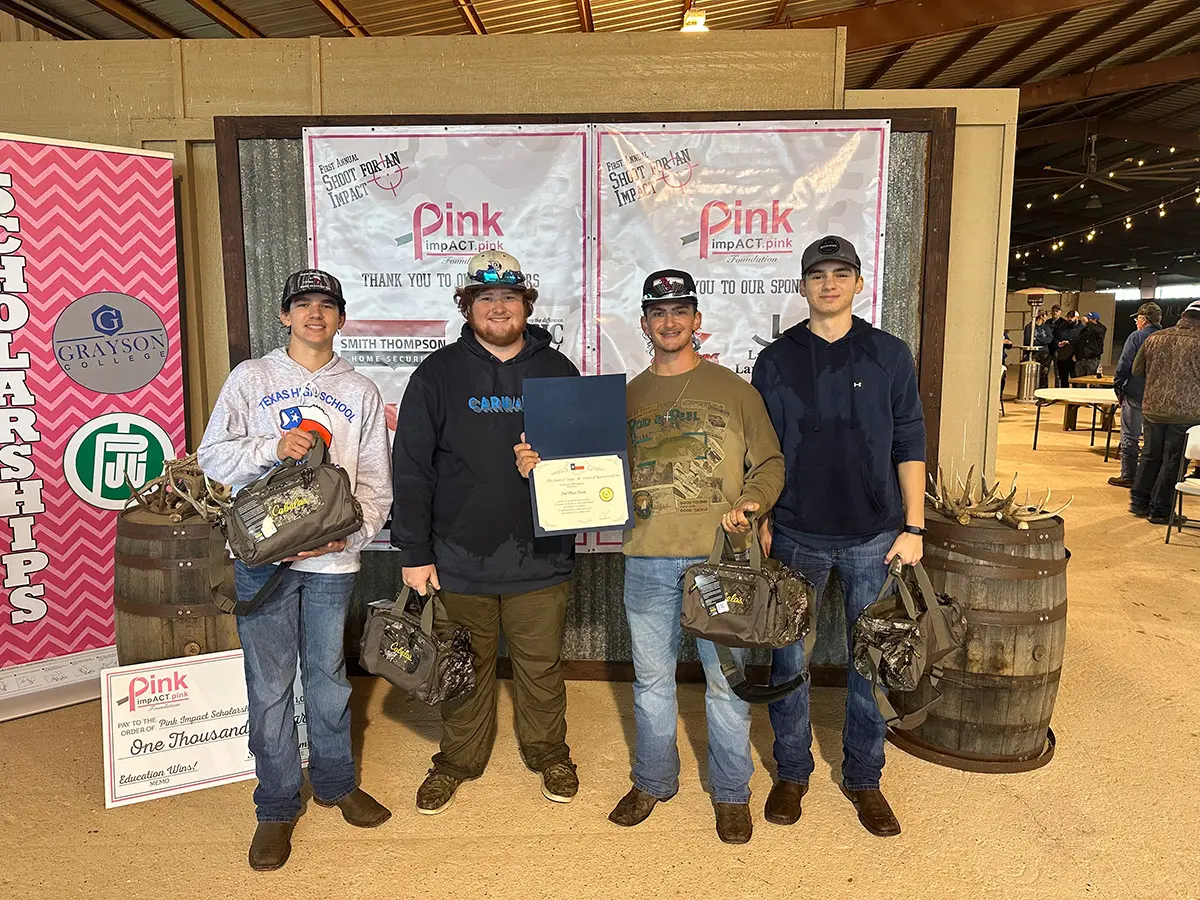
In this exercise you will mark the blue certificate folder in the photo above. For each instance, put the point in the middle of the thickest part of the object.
(576, 417)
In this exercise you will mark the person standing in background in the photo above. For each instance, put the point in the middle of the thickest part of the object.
(1066, 338)
(1170, 363)
(1129, 389)
(1090, 348)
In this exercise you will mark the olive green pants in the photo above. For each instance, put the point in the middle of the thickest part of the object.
(533, 630)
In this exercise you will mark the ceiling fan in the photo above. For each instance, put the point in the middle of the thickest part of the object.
(1089, 175)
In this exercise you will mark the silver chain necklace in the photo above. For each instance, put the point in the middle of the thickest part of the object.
(667, 409)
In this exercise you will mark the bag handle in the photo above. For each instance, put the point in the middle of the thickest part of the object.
(896, 577)
(432, 601)
(218, 588)
(722, 543)
(317, 456)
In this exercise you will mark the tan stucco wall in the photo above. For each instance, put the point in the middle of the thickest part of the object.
(981, 210)
(162, 95)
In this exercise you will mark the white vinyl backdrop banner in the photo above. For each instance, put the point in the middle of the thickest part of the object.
(589, 210)
(396, 212)
(734, 204)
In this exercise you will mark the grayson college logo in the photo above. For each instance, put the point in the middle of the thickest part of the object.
(110, 342)
(109, 449)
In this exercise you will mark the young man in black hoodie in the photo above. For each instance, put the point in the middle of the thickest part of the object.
(463, 523)
(843, 398)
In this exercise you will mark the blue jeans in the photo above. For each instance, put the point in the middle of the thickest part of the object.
(1131, 435)
(862, 575)
(653, 603)
(306, 615)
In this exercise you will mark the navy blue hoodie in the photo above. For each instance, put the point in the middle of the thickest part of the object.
(459, 501)
(846, 414)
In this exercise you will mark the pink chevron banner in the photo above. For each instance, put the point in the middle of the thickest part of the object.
(91, 367)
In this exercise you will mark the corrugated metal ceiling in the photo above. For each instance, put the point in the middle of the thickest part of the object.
(284, 18)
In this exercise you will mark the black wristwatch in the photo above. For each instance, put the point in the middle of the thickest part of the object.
(914, 529)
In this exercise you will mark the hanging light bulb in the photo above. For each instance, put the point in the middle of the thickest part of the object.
(1056, 196)
(1161, 212)
(1091, 234)
(1029, 206)
(1128, 224)
(1141, 162)
(1172, 149)
(1017, 255)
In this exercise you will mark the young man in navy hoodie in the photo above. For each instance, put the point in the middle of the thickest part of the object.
(463, 522)
(843, 398)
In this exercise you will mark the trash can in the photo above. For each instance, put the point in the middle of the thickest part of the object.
(1027, 382)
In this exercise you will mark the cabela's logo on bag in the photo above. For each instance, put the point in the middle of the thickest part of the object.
(744, 230)
(110, 453)
(110, 342)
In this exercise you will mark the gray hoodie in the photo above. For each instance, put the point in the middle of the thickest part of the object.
(265, 397)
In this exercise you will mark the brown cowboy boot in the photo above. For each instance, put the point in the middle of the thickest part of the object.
(874, 813)
(634, 808)
(783, 803)
(272, 845)
(359, 808)
(734, 825)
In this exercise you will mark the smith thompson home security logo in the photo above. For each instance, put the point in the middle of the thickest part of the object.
(737, 230)
(110, 453)
(110, 342)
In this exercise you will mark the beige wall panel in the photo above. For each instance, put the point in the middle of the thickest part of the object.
(247, 78)
(85, 90)
(637, 72)
(981, 210)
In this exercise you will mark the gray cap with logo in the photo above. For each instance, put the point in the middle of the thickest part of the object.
(830, 247)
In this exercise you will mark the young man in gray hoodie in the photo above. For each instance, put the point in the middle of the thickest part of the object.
(267, 412)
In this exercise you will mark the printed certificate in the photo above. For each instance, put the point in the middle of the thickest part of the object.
(586, 493)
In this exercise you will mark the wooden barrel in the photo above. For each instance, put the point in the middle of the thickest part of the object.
(999, 690)
(161, 590)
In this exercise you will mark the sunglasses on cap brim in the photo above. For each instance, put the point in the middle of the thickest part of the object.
(491, 276)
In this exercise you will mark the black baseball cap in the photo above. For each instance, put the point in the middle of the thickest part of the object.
(830, 247)
(312, 281)
(669, 284)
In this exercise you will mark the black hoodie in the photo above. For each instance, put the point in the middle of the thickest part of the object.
(846, 414)
(459, 501)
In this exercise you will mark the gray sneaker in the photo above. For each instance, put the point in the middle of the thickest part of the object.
(560, 783)
(436, 793)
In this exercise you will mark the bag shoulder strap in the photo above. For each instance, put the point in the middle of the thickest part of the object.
(224, 595)
(766, 693)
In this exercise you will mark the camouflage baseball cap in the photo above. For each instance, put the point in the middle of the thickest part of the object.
(312, 281)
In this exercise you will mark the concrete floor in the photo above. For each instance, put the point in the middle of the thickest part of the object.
(1111, 816)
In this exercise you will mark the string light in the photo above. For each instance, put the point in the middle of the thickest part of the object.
(1141, 162)
(1029, 206)
(1090, 233)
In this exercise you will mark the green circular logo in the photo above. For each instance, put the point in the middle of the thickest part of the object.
(110, 453)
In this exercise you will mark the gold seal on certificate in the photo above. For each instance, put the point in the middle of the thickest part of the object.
(587, 493)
